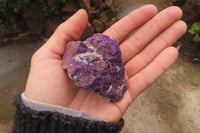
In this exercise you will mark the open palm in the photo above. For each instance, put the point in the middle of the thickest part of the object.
(146, 54)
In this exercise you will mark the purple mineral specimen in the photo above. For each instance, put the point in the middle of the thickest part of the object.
(96, 65)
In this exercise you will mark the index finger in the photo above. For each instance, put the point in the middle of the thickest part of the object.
(132, 21)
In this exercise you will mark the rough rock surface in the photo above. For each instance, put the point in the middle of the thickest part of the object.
(96, 65)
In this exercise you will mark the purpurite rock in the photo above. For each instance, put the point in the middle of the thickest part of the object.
(96, 65)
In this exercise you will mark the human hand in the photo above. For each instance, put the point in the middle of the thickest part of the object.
(146, 54)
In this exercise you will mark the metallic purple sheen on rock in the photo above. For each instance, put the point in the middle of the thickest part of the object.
(96, 65)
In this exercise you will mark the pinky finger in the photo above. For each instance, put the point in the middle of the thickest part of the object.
(143, 79)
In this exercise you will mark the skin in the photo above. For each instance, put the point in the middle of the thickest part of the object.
(146, 54)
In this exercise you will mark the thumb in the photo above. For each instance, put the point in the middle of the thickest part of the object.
(69, 30)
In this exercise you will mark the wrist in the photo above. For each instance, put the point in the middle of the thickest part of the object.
(40, 106)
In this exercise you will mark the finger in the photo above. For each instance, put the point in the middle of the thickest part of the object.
(164, 40)
(136, 42)
(69, 30)
(136, 18)
(152, 72)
